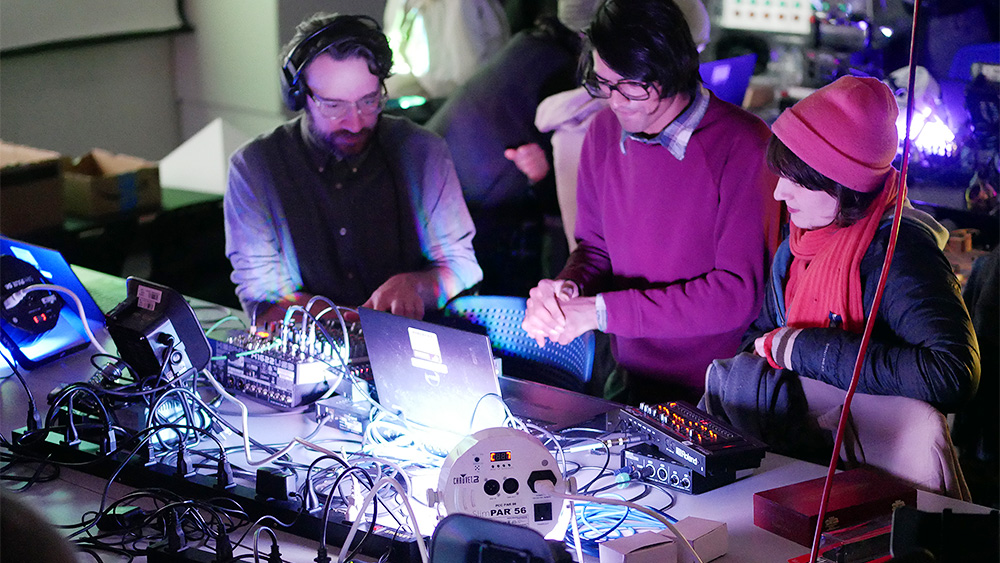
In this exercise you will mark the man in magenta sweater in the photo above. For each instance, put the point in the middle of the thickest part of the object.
(675, 221)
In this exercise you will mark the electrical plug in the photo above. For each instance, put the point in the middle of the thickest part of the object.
(311, 499)
(275, 555)
(321, 556)
(34, 421)
(174, 531)
(184, 467)
(120, 519)
(224, 475)
(223, 547)
(276, 483)
(355, 501)
(630, 473)
(109, 443)
(72, 436)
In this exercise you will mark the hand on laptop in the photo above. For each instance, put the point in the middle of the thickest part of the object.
(399, 295)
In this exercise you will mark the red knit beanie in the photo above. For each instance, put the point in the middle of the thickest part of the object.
(846, 131)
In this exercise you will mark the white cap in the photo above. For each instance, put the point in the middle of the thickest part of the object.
(697, 19)
(576, 14)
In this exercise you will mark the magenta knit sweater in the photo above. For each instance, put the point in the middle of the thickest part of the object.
(679, 249)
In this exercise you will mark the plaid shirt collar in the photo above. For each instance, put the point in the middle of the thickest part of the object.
(676, 135)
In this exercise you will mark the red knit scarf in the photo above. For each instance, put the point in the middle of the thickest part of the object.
(825, 275)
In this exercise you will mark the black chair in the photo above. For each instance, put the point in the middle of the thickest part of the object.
(461, 538)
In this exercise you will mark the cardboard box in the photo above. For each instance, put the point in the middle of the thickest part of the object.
(644, 547)
(31, 196)
(708, 537)
(101, 184)
(857, 495)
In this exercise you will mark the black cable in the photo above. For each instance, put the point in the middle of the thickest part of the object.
(67, 393)
(188, 518)
(329, 502)
(34, 418)
(226, 423)
(36, 477)
(665, 490)
(141, 441)
(601, 473)
(117, 371)
(276, 521)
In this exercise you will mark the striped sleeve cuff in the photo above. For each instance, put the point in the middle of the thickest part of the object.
(782, 344)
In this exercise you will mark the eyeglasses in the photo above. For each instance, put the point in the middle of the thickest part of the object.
(633, 90)
(339, 109)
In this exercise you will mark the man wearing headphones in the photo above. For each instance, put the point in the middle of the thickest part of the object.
(341, 201)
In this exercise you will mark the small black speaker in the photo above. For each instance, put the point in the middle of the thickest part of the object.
(36, 311)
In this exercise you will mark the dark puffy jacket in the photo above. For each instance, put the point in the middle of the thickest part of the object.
(923, 345)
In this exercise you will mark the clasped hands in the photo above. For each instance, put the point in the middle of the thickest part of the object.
(556, 312)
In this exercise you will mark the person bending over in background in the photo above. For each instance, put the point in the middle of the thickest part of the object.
(483, 122)
(362, 208)
(675, 221)
(833, 151)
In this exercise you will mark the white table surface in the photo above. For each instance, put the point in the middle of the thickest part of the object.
(64, 500)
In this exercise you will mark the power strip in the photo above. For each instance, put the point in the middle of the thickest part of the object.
(401, 545)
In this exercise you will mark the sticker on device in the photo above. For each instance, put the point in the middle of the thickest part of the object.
(148, 297)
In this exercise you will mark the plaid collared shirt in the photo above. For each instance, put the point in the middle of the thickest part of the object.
(676, 135)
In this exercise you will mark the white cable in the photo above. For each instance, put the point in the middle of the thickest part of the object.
(245, 422)
(361, 457)
(79, 308)
(577, 545)
(364, 505)
(548, 487)
(346, 354)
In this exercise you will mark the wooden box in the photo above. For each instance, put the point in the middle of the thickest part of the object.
(857, 495)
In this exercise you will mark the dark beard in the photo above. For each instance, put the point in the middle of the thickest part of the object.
(342, 142)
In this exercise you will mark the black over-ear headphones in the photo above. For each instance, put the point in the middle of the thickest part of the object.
(363, 31)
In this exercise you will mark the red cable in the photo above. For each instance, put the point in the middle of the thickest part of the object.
(870, 323)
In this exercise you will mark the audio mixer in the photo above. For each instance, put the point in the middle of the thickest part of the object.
(289, 365)
(691, 437)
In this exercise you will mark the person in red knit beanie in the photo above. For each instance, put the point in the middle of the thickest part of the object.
(833, 153)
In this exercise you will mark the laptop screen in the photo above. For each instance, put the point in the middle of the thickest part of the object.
(61, 332)
(729, 78)
(436, 376)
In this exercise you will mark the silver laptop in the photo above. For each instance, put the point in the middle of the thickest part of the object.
(435, 376)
